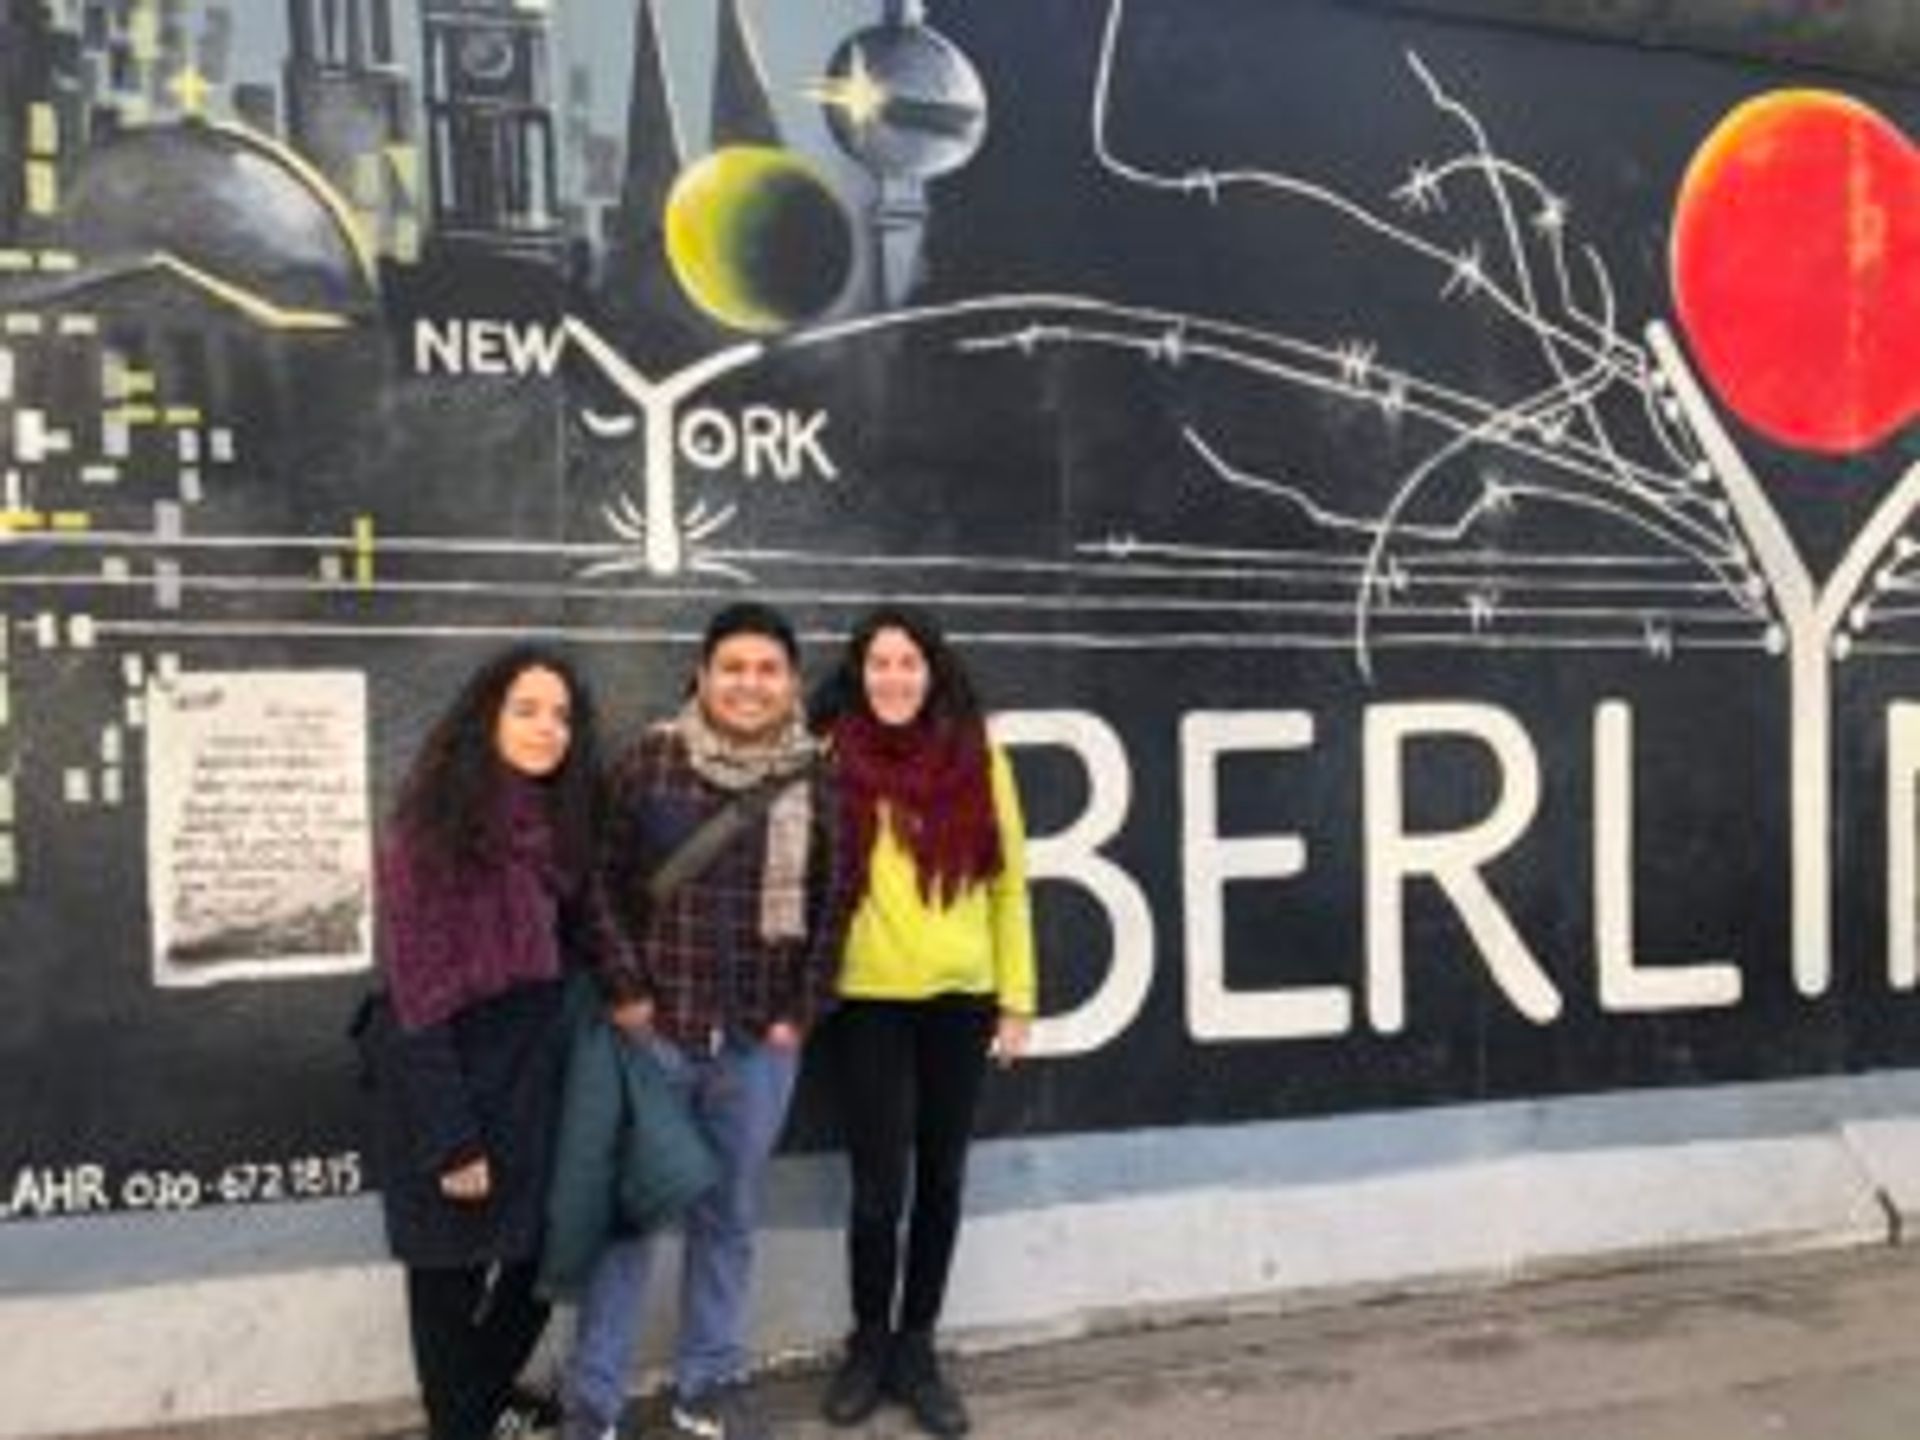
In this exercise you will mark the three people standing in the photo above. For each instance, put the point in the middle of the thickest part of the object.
(890, 870)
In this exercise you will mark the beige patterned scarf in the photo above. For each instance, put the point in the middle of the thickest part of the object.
(729, 765)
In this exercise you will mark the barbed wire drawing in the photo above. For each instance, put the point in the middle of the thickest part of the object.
(1656, 484)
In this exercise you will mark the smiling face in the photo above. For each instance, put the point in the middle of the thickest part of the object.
(895, 676)
(535, 724)
(748, 687)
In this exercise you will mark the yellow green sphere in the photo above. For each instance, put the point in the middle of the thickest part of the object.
(757, 239)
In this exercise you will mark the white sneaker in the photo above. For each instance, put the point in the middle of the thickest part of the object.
(730, 1412)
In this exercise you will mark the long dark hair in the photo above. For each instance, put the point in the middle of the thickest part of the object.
(933, 774)
(450, 807)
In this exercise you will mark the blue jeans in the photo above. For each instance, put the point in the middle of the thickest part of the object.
(739, 1097)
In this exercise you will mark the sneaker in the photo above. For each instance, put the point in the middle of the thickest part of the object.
(583, 1427)
(527, 1413)
(726, 1412)
(915, 1380)
(857, 1387)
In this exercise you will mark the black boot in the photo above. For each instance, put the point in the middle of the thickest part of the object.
(855, 1390)
(914, 1378)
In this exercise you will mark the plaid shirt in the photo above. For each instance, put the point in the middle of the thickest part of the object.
(699, 955)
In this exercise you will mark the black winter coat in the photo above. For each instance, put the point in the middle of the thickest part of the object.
(484, 1082)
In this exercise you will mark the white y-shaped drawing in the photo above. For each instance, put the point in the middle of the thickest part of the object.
(1812, 615)
(659, 530)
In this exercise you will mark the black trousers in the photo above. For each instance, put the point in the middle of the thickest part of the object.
(908, 1077)
(473, 1328)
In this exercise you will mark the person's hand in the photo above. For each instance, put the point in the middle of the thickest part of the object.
(784, 1035)
(632, 1018)
(468, 1184)
(1011, 1035)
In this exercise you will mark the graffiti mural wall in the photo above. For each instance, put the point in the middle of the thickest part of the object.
(1431, 504)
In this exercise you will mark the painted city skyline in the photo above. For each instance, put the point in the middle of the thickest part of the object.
(341, 83)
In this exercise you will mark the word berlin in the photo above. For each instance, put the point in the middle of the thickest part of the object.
(1396, 856)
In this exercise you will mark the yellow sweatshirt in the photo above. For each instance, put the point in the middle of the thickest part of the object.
(900, 947)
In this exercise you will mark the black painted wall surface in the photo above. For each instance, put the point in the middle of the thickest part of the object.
(1288, 360)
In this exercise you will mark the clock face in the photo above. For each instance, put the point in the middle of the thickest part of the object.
(487, 58)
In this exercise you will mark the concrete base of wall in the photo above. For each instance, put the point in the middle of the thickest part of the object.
(128, 1322)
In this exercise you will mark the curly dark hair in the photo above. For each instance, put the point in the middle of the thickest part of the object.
(449, 805)
(951, 698)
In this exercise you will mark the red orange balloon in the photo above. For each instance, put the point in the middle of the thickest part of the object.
(1796, 269)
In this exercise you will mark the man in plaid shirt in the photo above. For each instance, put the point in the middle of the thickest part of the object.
(732, 968)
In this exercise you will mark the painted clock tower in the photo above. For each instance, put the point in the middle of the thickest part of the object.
(491, 144)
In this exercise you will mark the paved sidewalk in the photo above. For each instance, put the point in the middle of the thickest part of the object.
(1809, 1347)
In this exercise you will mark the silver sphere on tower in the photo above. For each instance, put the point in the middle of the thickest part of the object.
(904, 102)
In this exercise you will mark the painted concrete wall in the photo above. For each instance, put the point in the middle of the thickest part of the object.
(1444, 593)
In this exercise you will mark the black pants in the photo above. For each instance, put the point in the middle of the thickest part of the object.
(473, 1328)
(908, 1075)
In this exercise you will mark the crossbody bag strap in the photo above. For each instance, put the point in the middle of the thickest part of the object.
(706, 844)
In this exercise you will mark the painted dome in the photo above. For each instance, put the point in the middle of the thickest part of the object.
(233, 204)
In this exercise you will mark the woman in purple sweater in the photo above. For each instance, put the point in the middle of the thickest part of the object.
(487, 901)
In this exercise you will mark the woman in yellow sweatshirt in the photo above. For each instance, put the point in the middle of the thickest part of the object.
(938, 977)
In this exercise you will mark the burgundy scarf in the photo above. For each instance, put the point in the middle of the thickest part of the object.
(453, 937)
(933, 779)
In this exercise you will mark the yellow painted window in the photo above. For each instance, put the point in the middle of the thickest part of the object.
(43, 188)
(43, 129)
